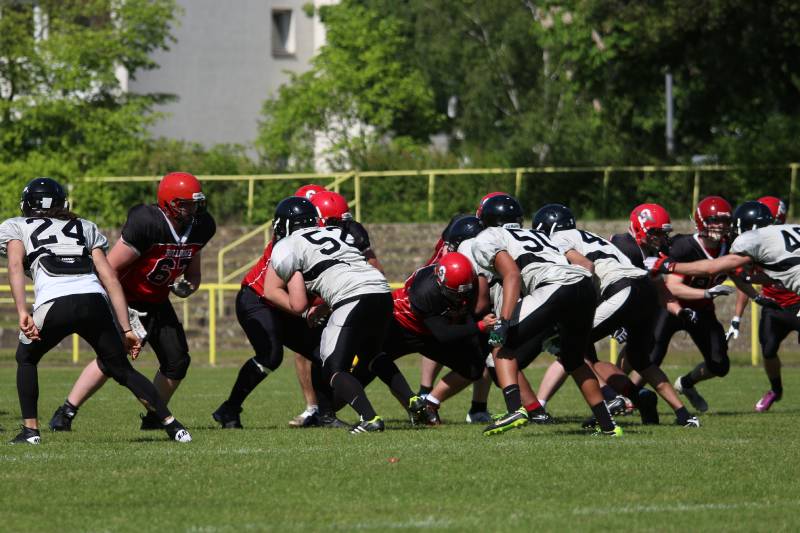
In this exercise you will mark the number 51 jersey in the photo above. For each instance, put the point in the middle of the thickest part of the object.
(776, 250)
(331, 267)
(163, 254)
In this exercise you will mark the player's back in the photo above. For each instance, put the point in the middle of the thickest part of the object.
(776, 250)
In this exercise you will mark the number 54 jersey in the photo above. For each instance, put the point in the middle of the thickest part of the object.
(775, 250)
(163, 254)
(331, 267)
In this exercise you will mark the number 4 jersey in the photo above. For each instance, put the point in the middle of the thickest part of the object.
(163, 254)
(775, 250)
(57, 253)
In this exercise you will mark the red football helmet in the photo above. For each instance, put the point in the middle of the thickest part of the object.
(650, 226)
(713, 217)
(331, 205)
(776, 206)
(457, 279)
(483, 201)
(308, 191)
(180, 196)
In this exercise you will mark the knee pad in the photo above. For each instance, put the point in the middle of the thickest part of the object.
(177, 368)
(271, 359)
(116, 368)
(719, 369)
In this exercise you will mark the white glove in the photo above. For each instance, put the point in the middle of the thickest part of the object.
(733, 331)
(134, 317)
(719, 290)
(182, 288)
(620, 335)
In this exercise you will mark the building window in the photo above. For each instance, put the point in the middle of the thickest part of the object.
(282, 33)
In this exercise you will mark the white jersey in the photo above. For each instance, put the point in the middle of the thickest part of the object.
(539, 260)
(330, 266)
(610, 264)
(51, 245)
(776, 250)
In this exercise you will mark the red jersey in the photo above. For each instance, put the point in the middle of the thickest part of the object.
(255, 277)
(782, 295)
(164, 255)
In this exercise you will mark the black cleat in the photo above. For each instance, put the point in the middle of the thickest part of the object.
(27, 436)
(619, 406)
(62, 419)
(368, 426)
(329, 420)
(589, 423)
(177, 432)
(648, 410)
(540, 416)
(228, 417)
(150, 422)
(417, 412)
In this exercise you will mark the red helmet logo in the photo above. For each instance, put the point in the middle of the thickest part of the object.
(776, 206)
(331, 205)
(180, 195)
(308, 191)
(648, 220)
(713, 217)
(456, 277)
(483, 201)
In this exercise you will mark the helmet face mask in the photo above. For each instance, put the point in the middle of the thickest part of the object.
(650, 226)
(181, 197)
(717, 228)
(712, 217)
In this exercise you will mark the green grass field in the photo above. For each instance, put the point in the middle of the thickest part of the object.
(739, 472)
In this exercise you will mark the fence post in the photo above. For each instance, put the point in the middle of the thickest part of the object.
(518, 184)
(250, 198)
(431, 192)
(613, 350)
(755, 348)
(212, 327)
(792, 188)
(606, 182)
(75, 348)
(695, 191)
(357, 194)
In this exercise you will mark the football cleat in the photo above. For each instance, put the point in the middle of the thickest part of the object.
(540, 416)
(648, 409)
(27, 436)
(305, 419)
(228, 417)
(416, 411)
(697, 401)
(616, 432)
(766, 401)
(329, 420)
(62, 419)
(368, 426)
(481, 417)
(506, 422)
(177, 432)
(150, 422)
(589, 423)
(618, 406)
(432, 412)
(691, 422)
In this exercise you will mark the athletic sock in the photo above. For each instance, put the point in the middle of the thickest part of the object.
(423, 390)
(478, 407)
(69, 410)
(603, 417)
(433, 401)
(608, 393)
(349, 390)
(250, 375)
(776, 385)
(543, 403)
(682, 414)
(533, 407)
(687, 381)
(512, 397)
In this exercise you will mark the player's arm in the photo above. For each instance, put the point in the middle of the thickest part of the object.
(445, 332)
(512, 282)
(191, 278)
(708, 267)
(577, 258)
(372, 259)
(290, 297)
(108, 277)
(680, 290)
(482, 303)
(16, 279)
(122, 255)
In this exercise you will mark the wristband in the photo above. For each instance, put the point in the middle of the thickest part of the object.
(126, 331)
(736, 319)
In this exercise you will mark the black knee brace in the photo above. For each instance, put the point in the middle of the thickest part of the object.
(176, 369)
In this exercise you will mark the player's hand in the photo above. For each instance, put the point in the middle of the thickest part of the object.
(733, 331)
(135, 319)
(133, 344)
(316, 315)
(662, 265)
(766, 301)
(689, 316)
(488, 321)
(28, 327)
(620, 335)
(497, 337)
(182, 288)
(718, 290)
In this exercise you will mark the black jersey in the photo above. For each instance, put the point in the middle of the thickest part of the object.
(687, 248)
(628, 246)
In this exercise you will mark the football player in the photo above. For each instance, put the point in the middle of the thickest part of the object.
(713, 221)
(775, 324)
(629, 299)
(159, 244)
(554, 293)
(308, 258)
(77, 291)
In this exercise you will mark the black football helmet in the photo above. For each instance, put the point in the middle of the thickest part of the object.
(461, 229)
(751, 215)
(42, 194)
(500, 210)
(552, 218)
(293, 213)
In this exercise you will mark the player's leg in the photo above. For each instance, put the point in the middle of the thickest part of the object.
(302, 368)
(773, 328)
(172, 350)
(709, 336)
(90, 381)
(553, 378)
(429, 369)
(467, 363)
(479, 408)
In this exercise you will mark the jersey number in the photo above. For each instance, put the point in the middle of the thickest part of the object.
(333, 244)
(792, 243)
(72, 229)
(537, 238)
(162, 272)
(588, 238)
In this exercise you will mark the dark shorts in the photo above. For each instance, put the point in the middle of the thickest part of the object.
(774, 326)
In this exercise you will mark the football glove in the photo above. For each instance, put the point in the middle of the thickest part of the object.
(689, 316)
(135, 318)
(663, 265)
(766, 301)
(497, 337)
(733, 331)
(718, 290)
(182, 288)
(620, 335)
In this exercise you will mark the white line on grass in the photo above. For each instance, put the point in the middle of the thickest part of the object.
(679, 507)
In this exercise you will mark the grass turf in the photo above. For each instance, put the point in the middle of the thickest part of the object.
(738, 472)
